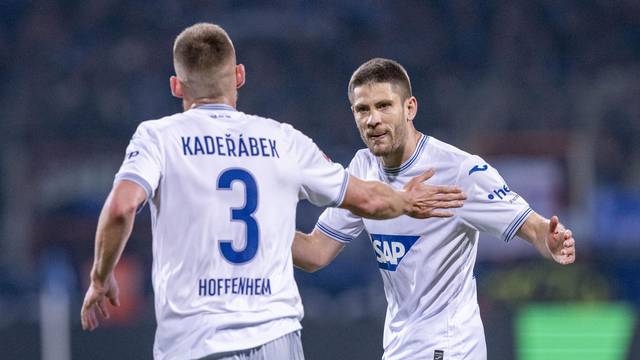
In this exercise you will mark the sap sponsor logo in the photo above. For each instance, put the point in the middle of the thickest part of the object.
(391, 249)
(478, 168)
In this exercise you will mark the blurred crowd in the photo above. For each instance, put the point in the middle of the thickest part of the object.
(78, 76)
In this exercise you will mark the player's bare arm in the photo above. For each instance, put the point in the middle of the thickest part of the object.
(550, 237)
(114, 227)
(376, 200)
(373, 199)
(312, 252)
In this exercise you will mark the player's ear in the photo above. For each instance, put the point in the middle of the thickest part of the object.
(240, 76)
(411, 105)
(176, 87)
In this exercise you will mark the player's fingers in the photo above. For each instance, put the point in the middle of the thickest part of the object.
(424, 176)
(567, 235)
(419, 179)
(449, 189)
(553, 224)
(83, 319)
(440, 213)
(102, 307)
(94, 317)
(449, 196)
(569, 243)
(85, 314)
(570, 259)
(89, 319)
(567, 251)
(448, 204)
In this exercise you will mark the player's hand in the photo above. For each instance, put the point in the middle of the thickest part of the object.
(431, 200)
(560, 242)
(95, 301)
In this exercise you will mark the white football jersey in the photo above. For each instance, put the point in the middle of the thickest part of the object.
(223, 187)
(427, 265)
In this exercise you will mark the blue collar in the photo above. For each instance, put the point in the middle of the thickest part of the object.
(422, 143)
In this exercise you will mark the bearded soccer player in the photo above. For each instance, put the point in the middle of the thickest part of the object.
(223, 187)
(426, 265)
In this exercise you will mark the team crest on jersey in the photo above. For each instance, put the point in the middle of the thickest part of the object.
(391, 249)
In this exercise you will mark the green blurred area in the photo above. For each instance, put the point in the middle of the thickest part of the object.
(574, 331)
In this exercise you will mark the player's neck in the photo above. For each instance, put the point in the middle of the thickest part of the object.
(403, 152)
(193, 103)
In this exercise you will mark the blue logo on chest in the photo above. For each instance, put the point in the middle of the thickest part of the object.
(391, 249)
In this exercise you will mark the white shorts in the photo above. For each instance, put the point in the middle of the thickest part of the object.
(287, 347)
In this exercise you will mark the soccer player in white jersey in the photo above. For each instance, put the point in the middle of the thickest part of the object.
(223, 187)
(426, 265)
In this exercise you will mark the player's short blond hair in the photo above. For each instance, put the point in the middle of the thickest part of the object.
(380, 70)
(201, 55)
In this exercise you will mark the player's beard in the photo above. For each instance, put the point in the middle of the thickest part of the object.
(393, 141)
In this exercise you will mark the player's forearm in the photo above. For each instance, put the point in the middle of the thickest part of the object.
(534, 230)
(375, 200)
(114, 227)
(311, 252)
(302, 252)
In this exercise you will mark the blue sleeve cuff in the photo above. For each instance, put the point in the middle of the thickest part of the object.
(140, 181)
(343, 191)
(515, 225)
(334, 234)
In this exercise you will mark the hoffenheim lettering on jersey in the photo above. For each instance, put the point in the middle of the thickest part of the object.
(390, 249)
(236, 286)
(223, 187)
(229, 146)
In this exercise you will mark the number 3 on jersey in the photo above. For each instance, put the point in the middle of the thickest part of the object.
(244, 214)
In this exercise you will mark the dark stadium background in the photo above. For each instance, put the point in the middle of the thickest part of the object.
(548, 91)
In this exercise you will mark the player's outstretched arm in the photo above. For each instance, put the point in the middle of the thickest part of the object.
(550, 237)
(114, 227)
(312, 252)
(376, 200)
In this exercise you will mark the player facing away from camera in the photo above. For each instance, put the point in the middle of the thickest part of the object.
(223, 187)
(426, 265)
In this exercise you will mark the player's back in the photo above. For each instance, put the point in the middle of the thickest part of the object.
(223, 219)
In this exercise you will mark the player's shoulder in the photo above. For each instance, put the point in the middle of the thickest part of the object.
(155, 127)
(465, 162)
(440, 148)
(159, 124)
(263, 121)
(362, 160)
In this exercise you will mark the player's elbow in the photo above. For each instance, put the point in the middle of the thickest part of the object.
(312, 264)
(311, 261)
(121, 209)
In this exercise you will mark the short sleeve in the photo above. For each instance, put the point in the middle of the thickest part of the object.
(142, 162)
(341, 224)
(491, 206)
(322, 182)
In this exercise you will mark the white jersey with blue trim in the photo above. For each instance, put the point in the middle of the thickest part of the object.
(427, 265)
(223, 187)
